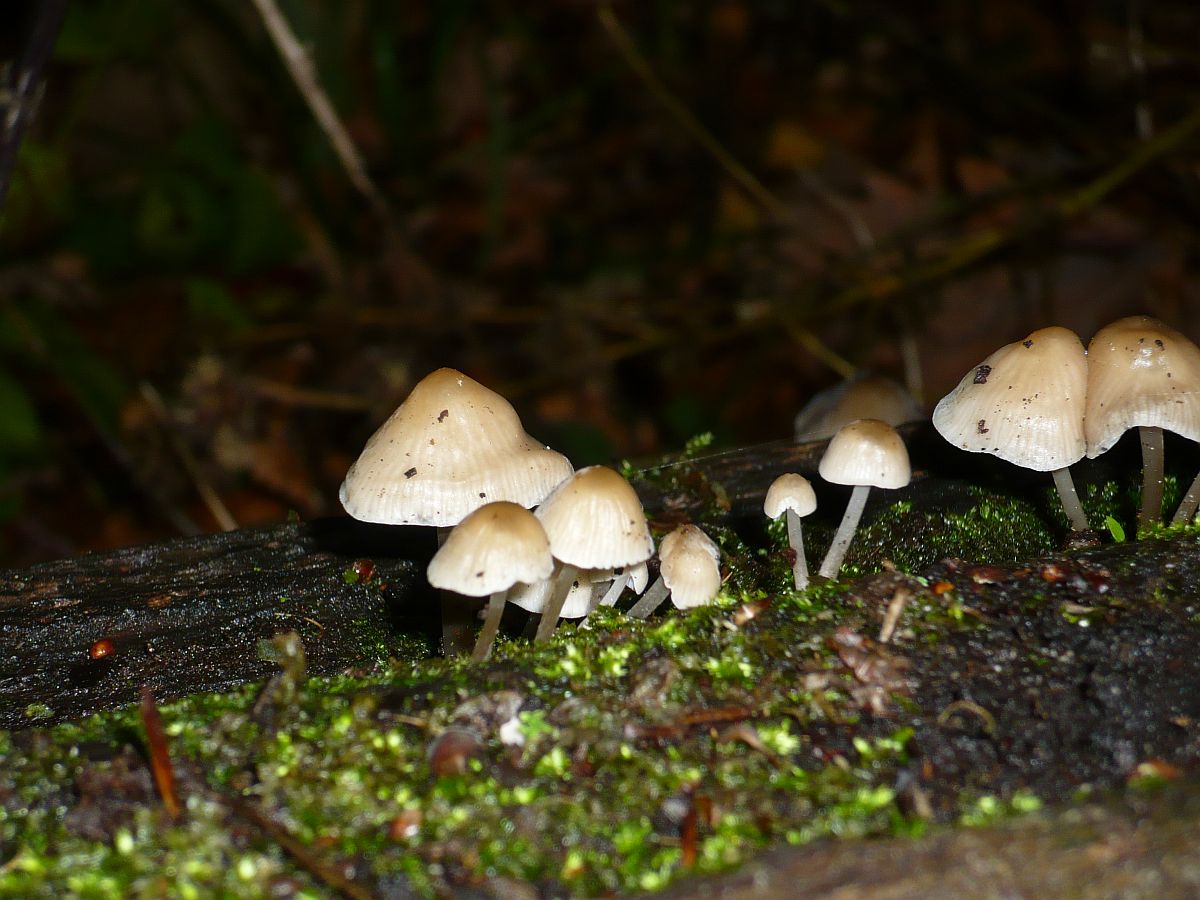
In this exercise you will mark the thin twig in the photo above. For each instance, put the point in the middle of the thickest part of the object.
(207, 493)
(304, 74)
(19, 97)
(704, 137)
(160, 753)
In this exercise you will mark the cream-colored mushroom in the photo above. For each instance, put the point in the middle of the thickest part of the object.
(792, 494)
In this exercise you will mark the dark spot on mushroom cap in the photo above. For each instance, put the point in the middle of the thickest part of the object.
(982, 426)
(483, 495)
(479, 574)
(1026, 344)
(982, 373)
(442, 415)
(411, 472)
(1161, 345)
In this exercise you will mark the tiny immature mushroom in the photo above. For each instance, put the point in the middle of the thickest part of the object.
(487, 553)
(792, 494)
(1142, 374)
(689, 570)
(452, 446)
(867, 453)
(594, 520)
(1025, 404)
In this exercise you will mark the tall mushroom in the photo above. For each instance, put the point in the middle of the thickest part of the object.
(451, 446)
(595, 521)
(866, 454)
(1146, 375)
(496, 547)
(793, 494)
(1025, 404)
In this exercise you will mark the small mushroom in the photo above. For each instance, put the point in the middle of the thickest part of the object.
(486, 554)
(1142, 374)
(452, 446)
(689, 571)
(793, 494)
(595, 521)
(1025, 404)
(867, 453)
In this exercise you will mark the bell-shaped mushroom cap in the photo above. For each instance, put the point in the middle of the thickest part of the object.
(790, 491)
(1140, 373)
(533, 597)
(1024, 403)
(595, 521)
(492, 549)
(863, 397)
(451, 447)
(866, 452)
(690, 566)
(688, 537)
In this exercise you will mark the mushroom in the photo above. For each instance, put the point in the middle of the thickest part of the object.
(1025, 404)
(496, 547)
(1143, 374)
(451, 446)
(867, 453)
(793, 494)
(861, 397)
(582, 596)
(689, 571)
(595, 521)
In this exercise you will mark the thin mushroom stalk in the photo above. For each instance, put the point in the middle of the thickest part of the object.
(554, 603)
(1189, 503)
(1152, 475)
(1070, 499)
(458, 614)
(832, 563)
(491, 627)
(796, 542)
(650, 601)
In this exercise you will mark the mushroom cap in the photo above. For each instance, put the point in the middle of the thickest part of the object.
(533, 597)
(1024, 403)
(690, 566)
(449, 448)
(495, 547)
(1141, 372)
(790, 491)
(866, 452)
(688, 537)
(595, 521)
(862, 397)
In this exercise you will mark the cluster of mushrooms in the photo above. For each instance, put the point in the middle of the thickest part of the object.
(454, 456)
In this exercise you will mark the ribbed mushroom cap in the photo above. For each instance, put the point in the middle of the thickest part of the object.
(533, 597)
(692, 576)
(1024, 403)
(1140, 373)
(595, 521)
(790, 491)
(451, 447)
(864, 397)
(866, 452)
(688, 537)
(492, 549)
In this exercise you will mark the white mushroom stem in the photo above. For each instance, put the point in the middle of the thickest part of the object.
(651, 600)
(796, 542)
(1070, 500)
(554, 603)
(614, 591)
(491, 626)
(458, 615)
(1152, 475)
(1189, 504)
(845, 533)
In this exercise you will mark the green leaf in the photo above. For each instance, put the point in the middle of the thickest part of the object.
(1115, 529)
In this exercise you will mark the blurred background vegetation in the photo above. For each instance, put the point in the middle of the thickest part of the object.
(638, 221)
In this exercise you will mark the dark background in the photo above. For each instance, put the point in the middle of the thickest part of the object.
(201, 318)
